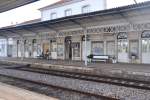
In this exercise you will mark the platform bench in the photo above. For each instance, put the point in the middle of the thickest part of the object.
(104, 58)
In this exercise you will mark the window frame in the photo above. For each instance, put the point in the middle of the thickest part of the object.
(69, 12)
(85, 6)
(53, 13)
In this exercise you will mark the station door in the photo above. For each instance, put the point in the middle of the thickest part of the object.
(123, 51)
(45, 47)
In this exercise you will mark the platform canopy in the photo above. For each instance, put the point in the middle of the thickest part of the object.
(73, 25)
(6, 5)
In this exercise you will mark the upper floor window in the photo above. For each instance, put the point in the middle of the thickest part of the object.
(53, 15)
(68, 12)
(86, 9)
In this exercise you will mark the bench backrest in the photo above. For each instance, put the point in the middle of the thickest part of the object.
(100, 57)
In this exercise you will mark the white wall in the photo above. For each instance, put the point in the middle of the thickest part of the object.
(76, 7)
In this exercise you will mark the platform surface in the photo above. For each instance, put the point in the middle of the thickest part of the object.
(121, 70)
(78, 64)
(8, 92)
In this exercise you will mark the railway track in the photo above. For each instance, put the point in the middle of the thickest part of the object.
(102, 79)
(50, 90)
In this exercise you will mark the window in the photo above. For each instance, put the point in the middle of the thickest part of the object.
(98, 48)
(111, 48)
(53, 15)
(86, 9)
(10, 41)
(68, 12)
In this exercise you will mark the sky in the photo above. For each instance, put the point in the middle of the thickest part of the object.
(30, 11)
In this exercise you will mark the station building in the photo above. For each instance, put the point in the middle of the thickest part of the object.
(122, 33)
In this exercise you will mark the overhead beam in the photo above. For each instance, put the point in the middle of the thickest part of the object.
(16, 33)
(49, 27)
(2, 35)
(29, 30)
(6, 5)
(77, 23)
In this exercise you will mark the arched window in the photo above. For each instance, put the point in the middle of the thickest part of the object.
(122, 35)
(145, 34)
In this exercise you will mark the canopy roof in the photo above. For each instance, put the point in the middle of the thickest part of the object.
(77, 21)
(6, 5)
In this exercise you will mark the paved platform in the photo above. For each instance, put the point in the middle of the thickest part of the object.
(8, 92)
(133, 71)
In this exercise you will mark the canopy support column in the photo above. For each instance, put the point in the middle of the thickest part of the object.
(85, 33)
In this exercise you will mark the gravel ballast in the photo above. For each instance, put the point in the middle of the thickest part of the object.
(118, 92)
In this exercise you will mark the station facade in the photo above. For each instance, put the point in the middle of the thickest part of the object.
(122, 33)
(127, 47)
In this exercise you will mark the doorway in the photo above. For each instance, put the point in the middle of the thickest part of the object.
(133, 50)
(45, 47)
(123, 51)
(123, 47)
(146, 51)
(146, 47)
(18, 48)
(9, 50)
(68, 48)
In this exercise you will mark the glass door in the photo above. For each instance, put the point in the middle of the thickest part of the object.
(134, 50)
(123, 50)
